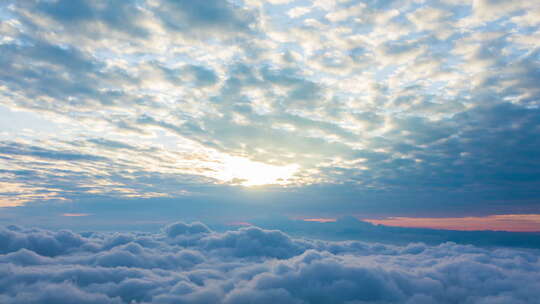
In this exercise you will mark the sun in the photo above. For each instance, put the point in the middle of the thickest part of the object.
(251, 173)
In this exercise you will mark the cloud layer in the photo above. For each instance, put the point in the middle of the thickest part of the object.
(189, 263)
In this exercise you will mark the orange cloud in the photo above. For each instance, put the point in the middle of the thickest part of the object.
(505, 222)
(76, 214)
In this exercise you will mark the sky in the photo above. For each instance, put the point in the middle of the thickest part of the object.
(142, 112)
(269, 151)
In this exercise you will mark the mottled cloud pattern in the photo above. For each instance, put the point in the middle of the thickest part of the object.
(189, 263)
(148, 98)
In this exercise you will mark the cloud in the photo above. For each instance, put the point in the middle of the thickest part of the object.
(13, 148)
(148, 98)
(181, 229)
(506, 222)
(254, 242)
(60, 293)
(184, 15)
(75, 214)
(122, 16)
(45, 243)
(253, 265)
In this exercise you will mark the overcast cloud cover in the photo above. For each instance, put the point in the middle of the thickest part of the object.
(189, 263)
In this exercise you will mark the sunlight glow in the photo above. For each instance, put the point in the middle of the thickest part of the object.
(238, 170)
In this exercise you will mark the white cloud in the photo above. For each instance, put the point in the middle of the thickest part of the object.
(189, 263)
(298, 11)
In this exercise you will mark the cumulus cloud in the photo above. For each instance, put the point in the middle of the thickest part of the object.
(189, 263)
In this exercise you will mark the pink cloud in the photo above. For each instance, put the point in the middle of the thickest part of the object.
(504, 222)
(320, 220)
(239, 224)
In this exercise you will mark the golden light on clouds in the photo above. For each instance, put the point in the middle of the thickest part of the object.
(17, 194)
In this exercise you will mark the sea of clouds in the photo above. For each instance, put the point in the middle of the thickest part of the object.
(189, 263)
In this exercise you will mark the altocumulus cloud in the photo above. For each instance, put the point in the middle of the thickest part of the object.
(189, 263)
(438, 97)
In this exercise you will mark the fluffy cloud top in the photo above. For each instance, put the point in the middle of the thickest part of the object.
(189, 263)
